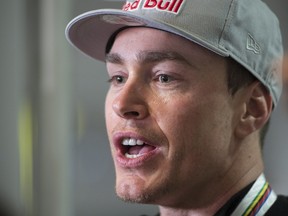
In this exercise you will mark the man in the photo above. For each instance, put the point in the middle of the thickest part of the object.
(193, 83)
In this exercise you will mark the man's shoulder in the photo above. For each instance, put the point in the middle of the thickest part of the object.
(279, 208)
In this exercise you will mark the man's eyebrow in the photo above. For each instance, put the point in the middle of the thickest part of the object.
(114, 58)
(148, 57)
(159, 56)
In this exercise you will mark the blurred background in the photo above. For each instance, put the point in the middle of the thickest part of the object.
(54, 154)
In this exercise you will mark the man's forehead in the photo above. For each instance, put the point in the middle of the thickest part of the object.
(148, 56)
(168, 46)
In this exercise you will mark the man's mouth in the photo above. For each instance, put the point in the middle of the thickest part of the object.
(133, 148)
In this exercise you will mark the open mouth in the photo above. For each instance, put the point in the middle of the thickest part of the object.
(134, 148)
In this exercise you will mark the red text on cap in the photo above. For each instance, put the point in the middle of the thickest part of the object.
(161, 5)
(128, 6)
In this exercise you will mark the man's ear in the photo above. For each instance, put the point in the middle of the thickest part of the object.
(256, 109)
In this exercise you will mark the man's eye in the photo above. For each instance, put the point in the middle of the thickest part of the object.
(117, 79)
(163, 78)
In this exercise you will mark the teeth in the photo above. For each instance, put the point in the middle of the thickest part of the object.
(125, 142)
(140, 142)
(132, 142)
(127, 155)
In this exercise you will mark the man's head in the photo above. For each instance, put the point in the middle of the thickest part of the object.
(183, 124)
(245, 30)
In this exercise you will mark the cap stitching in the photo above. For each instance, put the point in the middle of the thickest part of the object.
(226, 25)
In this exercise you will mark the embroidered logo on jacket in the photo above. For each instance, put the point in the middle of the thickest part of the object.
(172, 6)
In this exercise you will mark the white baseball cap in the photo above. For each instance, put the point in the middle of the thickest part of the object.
(245, 30)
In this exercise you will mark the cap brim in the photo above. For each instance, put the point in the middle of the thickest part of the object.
(91, 31)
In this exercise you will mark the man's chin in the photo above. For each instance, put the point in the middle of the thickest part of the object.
(140, 198)
(132, 193)
(143, 189)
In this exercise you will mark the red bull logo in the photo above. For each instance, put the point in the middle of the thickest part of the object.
(172, 6)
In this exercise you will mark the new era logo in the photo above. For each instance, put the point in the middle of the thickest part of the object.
(253, 45)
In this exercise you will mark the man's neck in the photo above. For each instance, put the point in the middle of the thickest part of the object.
(218, 201)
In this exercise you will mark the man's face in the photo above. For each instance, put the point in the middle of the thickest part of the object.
(169, 117)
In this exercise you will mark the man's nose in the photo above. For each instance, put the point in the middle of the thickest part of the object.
(131, 102)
